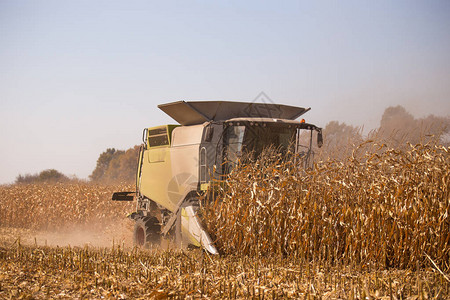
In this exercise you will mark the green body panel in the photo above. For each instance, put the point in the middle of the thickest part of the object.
(170, 128)
(156, 170)
(156, 173)
(185, 231)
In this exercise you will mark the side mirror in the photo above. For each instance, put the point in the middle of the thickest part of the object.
(319, 138)
(144, 135)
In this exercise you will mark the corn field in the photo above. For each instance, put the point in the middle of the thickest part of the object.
(374, 226)
(61, 205)
(379, 208)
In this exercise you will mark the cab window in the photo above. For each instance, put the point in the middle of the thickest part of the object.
(158, 137)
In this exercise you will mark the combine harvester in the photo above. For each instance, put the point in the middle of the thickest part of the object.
(179, 163)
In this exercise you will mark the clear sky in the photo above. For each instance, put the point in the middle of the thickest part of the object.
(77, 77)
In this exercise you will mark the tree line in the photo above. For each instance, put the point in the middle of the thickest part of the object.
(49, 175)
(397, 127)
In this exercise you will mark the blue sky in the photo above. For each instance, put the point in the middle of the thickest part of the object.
(77, 77)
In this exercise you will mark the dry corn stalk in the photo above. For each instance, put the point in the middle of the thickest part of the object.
(60, 205)
(383, 207)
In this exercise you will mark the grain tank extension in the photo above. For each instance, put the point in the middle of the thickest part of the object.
(179, 163)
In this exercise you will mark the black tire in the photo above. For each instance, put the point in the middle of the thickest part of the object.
(147, 231)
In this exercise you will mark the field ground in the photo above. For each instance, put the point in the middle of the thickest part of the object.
(375, 226)
(31, 270)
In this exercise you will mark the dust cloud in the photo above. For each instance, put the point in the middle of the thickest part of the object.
(92, 235)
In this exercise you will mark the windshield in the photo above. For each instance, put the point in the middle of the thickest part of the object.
(254, 139)
(234, 137)
(257, 138)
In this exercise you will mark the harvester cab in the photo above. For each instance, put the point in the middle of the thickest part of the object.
(178, 163)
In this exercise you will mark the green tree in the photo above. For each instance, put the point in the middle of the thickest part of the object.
(52, 175)
(103, 163)
(116, 165)
(123, 167)
(49, 175)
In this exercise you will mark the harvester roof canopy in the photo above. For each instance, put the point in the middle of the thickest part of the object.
(198, 112)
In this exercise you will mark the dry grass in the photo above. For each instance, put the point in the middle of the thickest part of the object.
(379, 208)
(115, 273)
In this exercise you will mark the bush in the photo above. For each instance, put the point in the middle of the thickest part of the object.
(48, 176)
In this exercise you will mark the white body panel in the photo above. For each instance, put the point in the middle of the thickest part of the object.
(184, 153)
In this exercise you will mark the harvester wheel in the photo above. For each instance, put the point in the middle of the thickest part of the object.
(146, 231)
